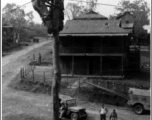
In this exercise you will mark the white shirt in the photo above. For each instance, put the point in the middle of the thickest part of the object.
(103, 111)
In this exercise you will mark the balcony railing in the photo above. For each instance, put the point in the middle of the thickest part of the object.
(91, 50)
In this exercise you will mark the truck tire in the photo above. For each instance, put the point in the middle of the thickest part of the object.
(74, 116)
(138, 109)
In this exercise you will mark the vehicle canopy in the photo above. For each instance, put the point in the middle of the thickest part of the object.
(139, 96)
(141, 92)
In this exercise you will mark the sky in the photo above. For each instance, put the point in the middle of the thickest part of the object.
(103, 10)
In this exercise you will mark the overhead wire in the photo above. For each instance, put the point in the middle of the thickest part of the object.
(19, 7)
(96, 3)
(69, 0)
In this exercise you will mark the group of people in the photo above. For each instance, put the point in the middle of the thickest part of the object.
(103, 111)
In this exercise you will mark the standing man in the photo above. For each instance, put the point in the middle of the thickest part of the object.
(103, 111)
(113, 115)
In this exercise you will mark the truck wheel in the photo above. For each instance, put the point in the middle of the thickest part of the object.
(74, 116)
(138, 109)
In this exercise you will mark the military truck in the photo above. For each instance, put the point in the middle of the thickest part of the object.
(36, 39)
(139, 99)
(73, 111)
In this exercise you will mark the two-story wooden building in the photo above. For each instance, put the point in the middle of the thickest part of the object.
(91, 45)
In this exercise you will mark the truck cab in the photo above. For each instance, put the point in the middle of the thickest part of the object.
(139, 99)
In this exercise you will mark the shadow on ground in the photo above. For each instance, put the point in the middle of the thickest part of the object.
(24, 117)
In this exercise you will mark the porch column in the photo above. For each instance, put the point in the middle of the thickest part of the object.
(101, 66)
(101, 58)
(72, 65)
(122, 67)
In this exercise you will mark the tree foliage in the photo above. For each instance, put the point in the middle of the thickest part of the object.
(22, 22)
(91, 5)
(141, 11)
(73, 10)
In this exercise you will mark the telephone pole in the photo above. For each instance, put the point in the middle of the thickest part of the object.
(57, 26)
(54, 23)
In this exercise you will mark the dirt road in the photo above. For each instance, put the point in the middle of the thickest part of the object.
(20, 105)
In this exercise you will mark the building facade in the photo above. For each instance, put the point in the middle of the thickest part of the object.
(93, 46)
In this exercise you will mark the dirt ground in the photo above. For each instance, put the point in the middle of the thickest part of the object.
(22, 105)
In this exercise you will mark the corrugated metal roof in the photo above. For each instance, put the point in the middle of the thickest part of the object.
(122, 14)
(91, 16)
(93, 27)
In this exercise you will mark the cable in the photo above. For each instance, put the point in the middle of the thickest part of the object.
(97, 3)
(19, 7)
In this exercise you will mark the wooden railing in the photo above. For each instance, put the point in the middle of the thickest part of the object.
(91, 50)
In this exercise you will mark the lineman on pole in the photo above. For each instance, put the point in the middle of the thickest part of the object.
(53, 20)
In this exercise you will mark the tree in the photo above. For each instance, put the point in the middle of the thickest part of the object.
(91, 5)
(13, 16)
(22, 22)
(55, 19)
(73, 10)
(141, 11)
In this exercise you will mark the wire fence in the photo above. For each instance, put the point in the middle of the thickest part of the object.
(121, 87)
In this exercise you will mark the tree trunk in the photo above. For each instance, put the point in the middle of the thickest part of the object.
(56, 65)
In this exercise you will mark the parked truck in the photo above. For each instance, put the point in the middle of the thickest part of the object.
(139, 99)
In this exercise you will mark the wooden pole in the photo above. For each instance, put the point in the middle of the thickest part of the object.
(25, 70)
(56, 65)
(21, 73)
(44, 76)
(72, 65)
(33, 74)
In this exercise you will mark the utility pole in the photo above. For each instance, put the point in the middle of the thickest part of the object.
(56, 66)
(57, 23)
(54, 24)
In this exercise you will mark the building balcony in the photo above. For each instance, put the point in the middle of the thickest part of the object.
(86, 50)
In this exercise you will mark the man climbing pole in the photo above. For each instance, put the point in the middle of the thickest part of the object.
(53, 20)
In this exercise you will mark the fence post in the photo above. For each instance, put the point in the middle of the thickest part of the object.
(39, 59)
(33, 74)
(33, 57)
(31, 67)
(21, 73)
(44, 76)
(25, 70)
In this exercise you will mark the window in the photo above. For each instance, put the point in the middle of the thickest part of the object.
(127, 22)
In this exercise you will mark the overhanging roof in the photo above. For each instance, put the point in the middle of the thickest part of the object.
(102, 35)
(94, 27)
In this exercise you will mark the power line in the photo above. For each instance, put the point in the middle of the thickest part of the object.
(97, 3)
(19, 7)
(23, 5)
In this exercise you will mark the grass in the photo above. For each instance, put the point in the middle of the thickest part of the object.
(30, 86)
(24, 117)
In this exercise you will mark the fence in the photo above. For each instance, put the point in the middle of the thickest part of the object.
(24, 71)
(118, 87)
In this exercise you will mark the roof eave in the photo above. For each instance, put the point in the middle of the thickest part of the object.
(102, 35)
